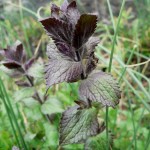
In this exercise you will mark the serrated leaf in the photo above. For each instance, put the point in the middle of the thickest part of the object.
(72, 13)
(59, 31)
(76, 125)
(51, 106)
(100, 87)
(98, 142)
(91, 44)
(58, 71)
(84, 28)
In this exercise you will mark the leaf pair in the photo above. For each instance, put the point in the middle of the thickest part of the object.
(14, 56)
(14, 59)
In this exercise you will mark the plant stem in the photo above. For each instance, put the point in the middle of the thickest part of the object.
(137, 127)
(115, 36)
(110, 65)
(107, 131)
(36, 93)
(132, 114)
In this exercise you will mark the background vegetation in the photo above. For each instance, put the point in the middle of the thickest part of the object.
(22, 118)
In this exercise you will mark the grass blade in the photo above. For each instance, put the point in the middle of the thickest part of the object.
(13, 115)
(9, 116)
(110, 61)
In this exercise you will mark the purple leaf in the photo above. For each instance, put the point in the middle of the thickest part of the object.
(12, 64)
(22, 84)
(29, 63)
(102, 88)
(61, 66)
(57, 30)
(77, 125)
(14, 56)
(64, 5)
(62, 51)
(66, 50)
(58, 71)
(55, 11)
(91, 44)
(19, 51)
(91, 63)
(72, 13)
(84, 28)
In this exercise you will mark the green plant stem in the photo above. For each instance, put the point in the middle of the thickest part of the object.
(21, 118)
(132, 114)
(10, 119)
(128, 62)
(121, 77)
(36, 93)
(14, 117)
(110, 66)
(137, 127)
(115, 36)
(111, 15)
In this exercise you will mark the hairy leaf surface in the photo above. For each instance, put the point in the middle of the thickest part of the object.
(100, 87)
(76, 125)
(61, 66)
(58, 71)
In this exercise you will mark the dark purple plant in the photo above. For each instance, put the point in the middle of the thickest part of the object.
(71, 59)
(14, 58)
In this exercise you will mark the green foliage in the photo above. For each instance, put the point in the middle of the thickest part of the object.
(98, 142)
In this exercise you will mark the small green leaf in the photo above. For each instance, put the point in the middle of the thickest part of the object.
(51, 106)
(23, 93)
(100, 87)
(36, 70)
(77, 125)
(98, 142)
(30, 102)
